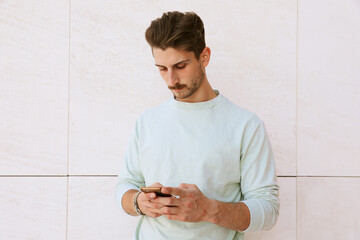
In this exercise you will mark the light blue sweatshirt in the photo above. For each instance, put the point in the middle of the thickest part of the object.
(218, 146)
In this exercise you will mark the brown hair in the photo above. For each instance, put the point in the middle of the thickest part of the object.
(178, 30)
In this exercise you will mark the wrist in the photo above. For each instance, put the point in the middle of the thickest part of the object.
(136, 204)
(212, 211)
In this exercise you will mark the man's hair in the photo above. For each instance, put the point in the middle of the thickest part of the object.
(177, 30)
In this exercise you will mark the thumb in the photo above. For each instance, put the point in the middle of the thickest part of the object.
(156, 185)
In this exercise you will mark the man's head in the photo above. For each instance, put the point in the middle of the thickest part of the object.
(178, 46)
(177, 30)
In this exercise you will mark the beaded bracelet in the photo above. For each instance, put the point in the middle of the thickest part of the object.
(136, 205)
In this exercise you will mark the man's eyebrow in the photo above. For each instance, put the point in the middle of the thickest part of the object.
(183, 61)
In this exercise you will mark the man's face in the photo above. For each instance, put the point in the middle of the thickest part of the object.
(181, 71)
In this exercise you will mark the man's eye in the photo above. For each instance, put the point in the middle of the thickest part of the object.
(162, 69)
(180, 66)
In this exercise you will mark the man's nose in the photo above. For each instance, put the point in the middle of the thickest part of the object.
(172, 78)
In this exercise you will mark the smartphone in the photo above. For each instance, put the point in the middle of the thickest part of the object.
(156, 190)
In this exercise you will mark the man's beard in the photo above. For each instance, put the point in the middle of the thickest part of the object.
(189, 90)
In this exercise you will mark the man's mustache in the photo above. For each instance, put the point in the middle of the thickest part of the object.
(177, 86)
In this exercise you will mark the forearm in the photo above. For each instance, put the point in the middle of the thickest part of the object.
(127, 202)
(234, 216)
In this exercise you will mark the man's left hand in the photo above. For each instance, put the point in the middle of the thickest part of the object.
(190, 205)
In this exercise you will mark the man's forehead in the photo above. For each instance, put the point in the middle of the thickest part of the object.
(171, 56)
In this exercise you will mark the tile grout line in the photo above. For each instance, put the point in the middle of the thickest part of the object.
(296, 117)
(110, 175)
(68, 130)
(67, 176)
(67, 208)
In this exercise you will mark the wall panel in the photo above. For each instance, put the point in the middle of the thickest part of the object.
(33, 208)
(328, 88)
(34, 60)
(328, 208)
(93, 213)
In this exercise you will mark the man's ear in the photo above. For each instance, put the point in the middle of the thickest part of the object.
(205, 57)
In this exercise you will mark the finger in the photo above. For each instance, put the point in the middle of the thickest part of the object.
(156, 185)
(152, 195)
(173, 191)
(170, 210)
(152, 213)
(154, 206)
(144, 204)
(147, 196)
(167, 201)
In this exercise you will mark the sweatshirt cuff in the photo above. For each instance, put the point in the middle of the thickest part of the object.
(121, 190)
(257, 217)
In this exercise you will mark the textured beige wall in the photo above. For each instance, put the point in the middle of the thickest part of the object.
(74, 75)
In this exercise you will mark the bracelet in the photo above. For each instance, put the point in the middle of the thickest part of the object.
(136, 205)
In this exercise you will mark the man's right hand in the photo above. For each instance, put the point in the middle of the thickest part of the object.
(146, 203)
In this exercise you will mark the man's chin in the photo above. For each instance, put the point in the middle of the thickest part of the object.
(180, 95)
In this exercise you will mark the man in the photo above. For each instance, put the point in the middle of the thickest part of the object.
(212, 156)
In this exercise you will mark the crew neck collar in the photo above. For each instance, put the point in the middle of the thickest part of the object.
(198, 105)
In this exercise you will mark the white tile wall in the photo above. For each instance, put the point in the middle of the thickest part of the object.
(294, 63)
(93, 213)
(32, 208)
(34, 60)
(328, 88)
(328, 208)
(111, 82)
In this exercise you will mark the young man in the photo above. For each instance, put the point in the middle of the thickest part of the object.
(212, 156)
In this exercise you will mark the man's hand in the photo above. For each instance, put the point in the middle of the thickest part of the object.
(190, 205)
(147, 204)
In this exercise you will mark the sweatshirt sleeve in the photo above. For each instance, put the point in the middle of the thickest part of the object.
(258, 178)
(130, 176)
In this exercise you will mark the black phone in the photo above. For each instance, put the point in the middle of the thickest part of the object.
(156, 190)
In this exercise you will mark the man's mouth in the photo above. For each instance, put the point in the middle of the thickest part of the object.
(177, 88)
